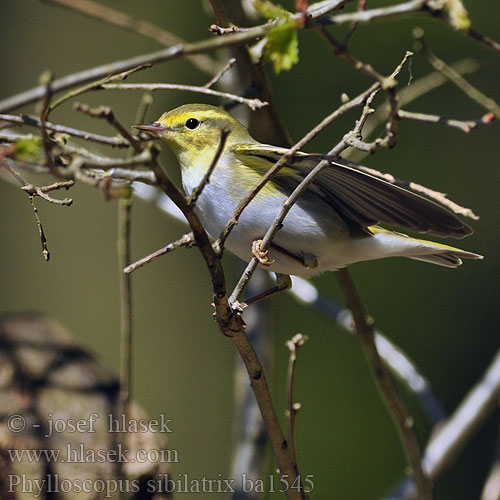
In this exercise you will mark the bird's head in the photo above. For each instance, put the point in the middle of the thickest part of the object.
(194, 131)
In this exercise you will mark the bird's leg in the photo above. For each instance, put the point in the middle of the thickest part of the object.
(309, 261)
(283, 282)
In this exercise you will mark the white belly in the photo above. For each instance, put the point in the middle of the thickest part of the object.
(311, 228)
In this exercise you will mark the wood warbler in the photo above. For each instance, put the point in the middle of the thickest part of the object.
(333, 224)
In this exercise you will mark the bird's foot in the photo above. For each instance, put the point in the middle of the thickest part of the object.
(261, 255)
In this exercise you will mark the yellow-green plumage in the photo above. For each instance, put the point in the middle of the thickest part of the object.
(333, 224)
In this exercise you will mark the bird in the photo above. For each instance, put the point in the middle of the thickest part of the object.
(335, 223)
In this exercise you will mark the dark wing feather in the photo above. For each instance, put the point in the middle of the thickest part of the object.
(380, 201)
(362, 197)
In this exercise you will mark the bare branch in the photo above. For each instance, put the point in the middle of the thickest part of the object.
(151, 87)
(294, 344)
(107, 113)
(126, 325)
(463, 125)
(486, 40)
(221, 73)
(405, 423)
(206, 177)
(88, 136)
(43, 239)
(186, 241)
(454, 77)
(96, 84)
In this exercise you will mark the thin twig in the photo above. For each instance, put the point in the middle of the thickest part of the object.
(107, 113)
(42, 191)
(126, 327)
(32, 121)
(206, 177)
(96, 84)
(46, 81)
(139, 26)
(94, 161)
(125, 174)
(407, 95)
(38, 191)
(43, 239)
(453, 76)
(221, 73)
(352, 30)
(342, 51)
(366, 16)
(186, 241)
(463, 125)
(405, 423)
(252, 76)
(251, 103)
(146, 101)
(294, 344)
(486, 40)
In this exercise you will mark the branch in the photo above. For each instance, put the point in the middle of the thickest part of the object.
(186, 241)
(463, 125)
(407, 95)
(294, 344)
(107, 113)
(454, 77)
(42, 191)
(126, 325)
(486, 40)
(32, 121)
(206, 177)
(221, 73)
(251, 103)
(405, 423)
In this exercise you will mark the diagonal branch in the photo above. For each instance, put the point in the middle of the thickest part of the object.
(405, 423)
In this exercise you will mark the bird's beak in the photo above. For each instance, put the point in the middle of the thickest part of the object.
(153, 128)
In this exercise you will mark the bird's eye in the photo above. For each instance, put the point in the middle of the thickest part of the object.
(192, 123)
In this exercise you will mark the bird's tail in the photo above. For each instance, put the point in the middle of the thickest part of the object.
(427, 251)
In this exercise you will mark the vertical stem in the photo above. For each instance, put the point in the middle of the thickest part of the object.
(404, 422)
(126, 332)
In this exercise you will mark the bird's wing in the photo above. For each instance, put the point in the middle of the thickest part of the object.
(359, 196)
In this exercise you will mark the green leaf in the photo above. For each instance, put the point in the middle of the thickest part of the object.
(269, 10)
(28, 149)
(282, 46)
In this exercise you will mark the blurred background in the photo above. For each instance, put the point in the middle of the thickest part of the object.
(446, 320)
